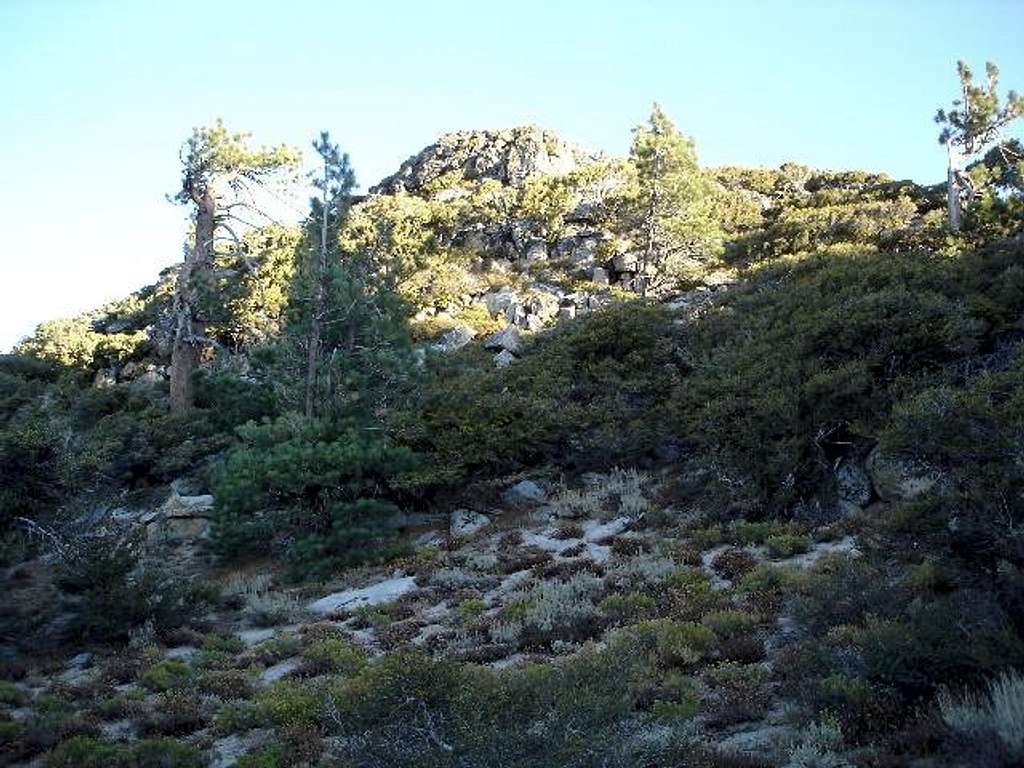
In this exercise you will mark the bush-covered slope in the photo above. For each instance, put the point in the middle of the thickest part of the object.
(772, 516)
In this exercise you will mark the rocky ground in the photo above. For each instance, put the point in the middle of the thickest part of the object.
(551, 569)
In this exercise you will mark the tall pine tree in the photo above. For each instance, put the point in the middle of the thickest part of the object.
(667, 208)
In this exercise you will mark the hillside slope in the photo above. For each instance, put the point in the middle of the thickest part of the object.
(768, 515)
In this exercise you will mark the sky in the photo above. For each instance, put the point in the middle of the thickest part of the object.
(96, 97)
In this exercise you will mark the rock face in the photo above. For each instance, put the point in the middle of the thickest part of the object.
(896, 478)
(181, 517)
(510, 156)
(853, 487)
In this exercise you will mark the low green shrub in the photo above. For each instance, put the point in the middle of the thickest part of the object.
(334, 655)
(289, 703)
(731, 623)
(786, 545)
(628, 607)
(84, 752)
(168, 674)
(163, 753)
(273, 756)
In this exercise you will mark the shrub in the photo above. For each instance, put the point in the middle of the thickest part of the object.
(83, 752)
(236, 718)
(227, 684)
(472, 609)
(669, 643)
(317, 482)
(629, 607)
(289, 703)
(176, 713)
(639, 573)
(740, 692)
(163, 753)
(554, 610)
(688, 595)
(10, 731)
(222, 644)
(168, 674)
(122, 591)
(786, 545)
(586, 395)
(730, 624)
(270, 757)
(734, 563)
(334, 655)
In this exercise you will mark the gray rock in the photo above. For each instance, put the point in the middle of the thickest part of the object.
(507, 339)
(544, 303)
(465, 522)
(534, 251)
(280, 670)
(375, 594)
(600, 276)
(524, 493)
(853, 487)
(516, 315)
(188, 506)
(567, 313)
(253, 637)
(504, 359)
(455, 339)
(498, 302)
(896, 478)
(81, 660)
(581, 251)
(181, 653)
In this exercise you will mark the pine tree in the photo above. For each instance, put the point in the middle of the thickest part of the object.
(335, 184)
(220, 176)
(972, 126)
(667, 209)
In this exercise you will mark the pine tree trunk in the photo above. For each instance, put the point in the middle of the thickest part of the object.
(953, 201)
(953, 191)
(188, 326)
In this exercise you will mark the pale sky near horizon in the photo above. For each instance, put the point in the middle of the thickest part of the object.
(97, 96)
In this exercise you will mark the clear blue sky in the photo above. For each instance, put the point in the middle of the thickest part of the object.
(97, 95)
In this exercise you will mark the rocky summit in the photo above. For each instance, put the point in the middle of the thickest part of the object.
(508, 156)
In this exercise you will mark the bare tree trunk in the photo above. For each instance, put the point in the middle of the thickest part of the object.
(953, 190)
(188, 326)
(316, 323)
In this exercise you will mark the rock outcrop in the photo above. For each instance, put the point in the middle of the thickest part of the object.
(510, 156)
